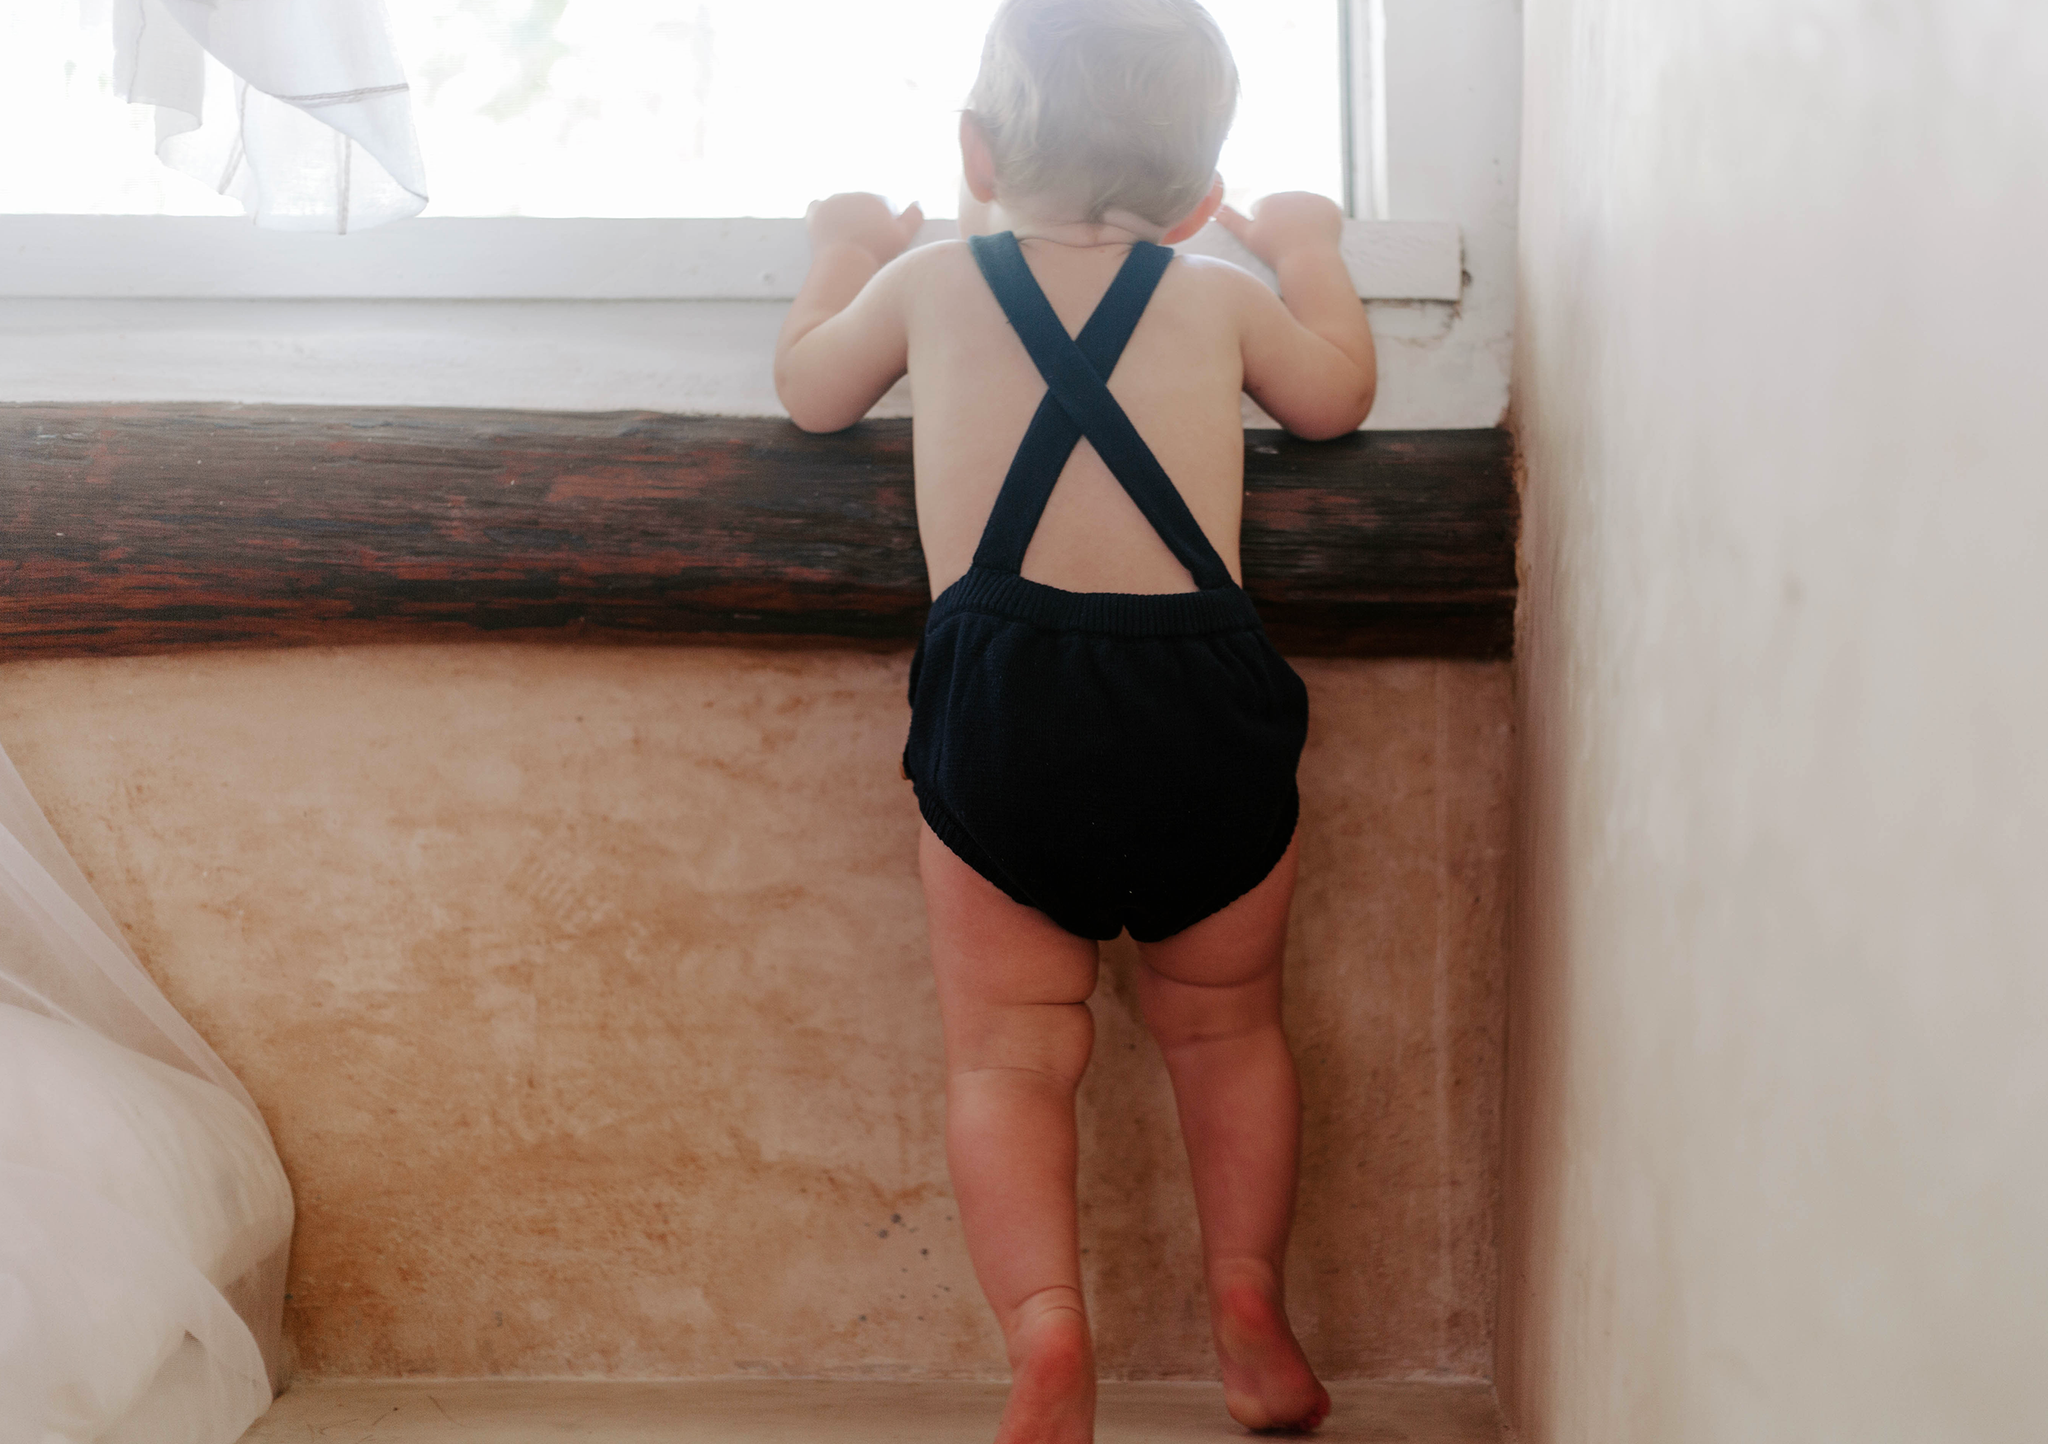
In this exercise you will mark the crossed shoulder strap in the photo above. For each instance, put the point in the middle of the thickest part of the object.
(1077, 403)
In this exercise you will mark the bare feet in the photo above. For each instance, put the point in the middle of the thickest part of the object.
(1267, 1382)
(1052, 1375)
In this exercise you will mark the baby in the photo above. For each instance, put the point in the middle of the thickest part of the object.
(1102, 738)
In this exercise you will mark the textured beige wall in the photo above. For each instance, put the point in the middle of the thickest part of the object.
(585, 993)
(1778, 1161)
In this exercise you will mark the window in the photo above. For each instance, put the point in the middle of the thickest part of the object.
(645, 108)
(653, 114)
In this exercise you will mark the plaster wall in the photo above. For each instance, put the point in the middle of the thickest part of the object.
(1778, 1090)
(585, 993)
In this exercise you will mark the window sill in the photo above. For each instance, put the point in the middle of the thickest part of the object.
(515, 259)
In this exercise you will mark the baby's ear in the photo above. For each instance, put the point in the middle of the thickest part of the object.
(1198, 217)
(977, 161)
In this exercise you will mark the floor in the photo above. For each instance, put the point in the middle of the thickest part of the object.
(751, 1411)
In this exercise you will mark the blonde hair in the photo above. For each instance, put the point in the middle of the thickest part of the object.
(1100, 105)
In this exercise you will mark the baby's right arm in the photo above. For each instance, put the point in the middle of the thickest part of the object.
(843, 342)
(1308, 354)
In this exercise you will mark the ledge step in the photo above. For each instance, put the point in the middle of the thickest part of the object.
(799, 1411)
(160, 528)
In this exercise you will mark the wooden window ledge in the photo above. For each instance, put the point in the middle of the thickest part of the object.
(155, 528)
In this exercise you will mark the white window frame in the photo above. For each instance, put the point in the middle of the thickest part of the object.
(1362, 39)
(527, 259)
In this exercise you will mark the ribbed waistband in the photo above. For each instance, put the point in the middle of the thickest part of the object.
(1123, 614)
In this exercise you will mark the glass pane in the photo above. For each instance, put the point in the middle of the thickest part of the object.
(665, 107)
(73, 149)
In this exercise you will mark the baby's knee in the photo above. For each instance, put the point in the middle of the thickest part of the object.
(1050, 1039)
(1179, 1014)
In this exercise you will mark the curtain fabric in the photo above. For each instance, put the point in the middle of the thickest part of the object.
(296, 108)
(144, 1216)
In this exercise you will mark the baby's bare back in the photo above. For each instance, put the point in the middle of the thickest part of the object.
(976, 389)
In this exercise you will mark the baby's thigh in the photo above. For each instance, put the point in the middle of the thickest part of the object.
(1012, 983)
(1239, 944)
(1222, 975)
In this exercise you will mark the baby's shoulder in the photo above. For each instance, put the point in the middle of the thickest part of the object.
(1213, 281)
(932, 283)
(936, 263)
(1202, 301)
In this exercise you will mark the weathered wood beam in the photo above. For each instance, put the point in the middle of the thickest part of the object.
(150, 528)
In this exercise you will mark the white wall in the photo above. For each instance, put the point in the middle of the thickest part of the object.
(1779, 1040)
(568, 355)
(1454, 95)
(1452, 120)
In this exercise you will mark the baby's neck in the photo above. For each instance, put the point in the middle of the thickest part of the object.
(1116, 228)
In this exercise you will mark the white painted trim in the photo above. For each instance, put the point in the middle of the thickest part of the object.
(1364, 38)
(528, 259)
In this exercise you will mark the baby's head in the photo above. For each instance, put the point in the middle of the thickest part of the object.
(1096, 106)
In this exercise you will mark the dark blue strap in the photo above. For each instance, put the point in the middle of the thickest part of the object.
(1052, 435)
(1078, 403)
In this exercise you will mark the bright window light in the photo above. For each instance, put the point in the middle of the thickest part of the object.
(658, 107)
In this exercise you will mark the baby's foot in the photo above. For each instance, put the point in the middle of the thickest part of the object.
(1052, 1381)
(1267, 1383)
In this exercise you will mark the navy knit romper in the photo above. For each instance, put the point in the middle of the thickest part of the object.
(1112, 759)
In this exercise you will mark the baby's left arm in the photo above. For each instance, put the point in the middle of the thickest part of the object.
(845, 341)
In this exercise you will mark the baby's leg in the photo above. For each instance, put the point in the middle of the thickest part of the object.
(1211, 996)
(1013, 989)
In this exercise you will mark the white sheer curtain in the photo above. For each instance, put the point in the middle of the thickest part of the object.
(296, 108)
(144, 1216)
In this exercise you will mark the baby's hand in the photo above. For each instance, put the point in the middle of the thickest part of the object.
(863, 221)
(1308, 357)
(1285, 224)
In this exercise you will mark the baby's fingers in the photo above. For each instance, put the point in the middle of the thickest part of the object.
(1233, 221)
(909, 221)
